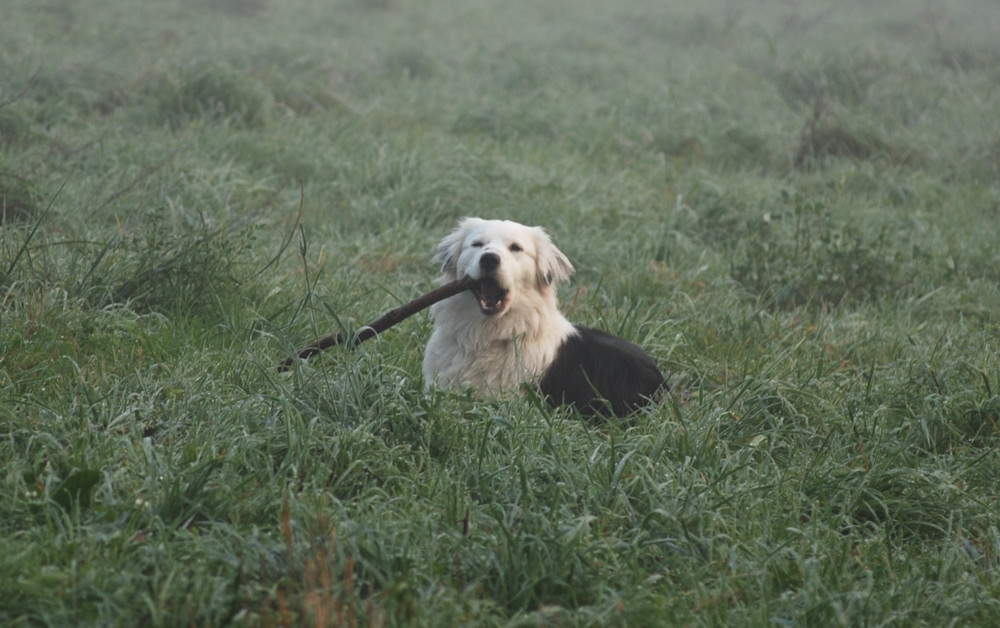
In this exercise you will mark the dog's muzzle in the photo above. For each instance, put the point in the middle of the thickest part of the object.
(491, 295)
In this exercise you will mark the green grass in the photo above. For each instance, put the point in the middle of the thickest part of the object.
(795, 208)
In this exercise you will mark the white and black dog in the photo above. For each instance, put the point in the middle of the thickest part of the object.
(508, 331)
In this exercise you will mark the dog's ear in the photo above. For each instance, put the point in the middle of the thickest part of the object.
(450, 248)
(553, 265)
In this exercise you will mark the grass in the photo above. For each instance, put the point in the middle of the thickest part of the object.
(794, 208)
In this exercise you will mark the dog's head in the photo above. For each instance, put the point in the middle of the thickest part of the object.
(506, 257)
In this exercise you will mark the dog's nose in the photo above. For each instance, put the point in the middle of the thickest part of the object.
(489, 261)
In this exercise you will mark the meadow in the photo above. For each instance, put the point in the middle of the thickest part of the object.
(794, 206)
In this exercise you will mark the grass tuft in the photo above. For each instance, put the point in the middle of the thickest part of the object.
(826, 135)
(19, 200)
(212, 91)
(819, 263)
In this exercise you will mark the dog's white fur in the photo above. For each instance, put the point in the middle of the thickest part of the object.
(495, 344)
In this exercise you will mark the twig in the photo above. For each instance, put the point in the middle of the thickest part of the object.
(387, 320)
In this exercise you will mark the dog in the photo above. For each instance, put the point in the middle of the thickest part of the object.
(508, 331)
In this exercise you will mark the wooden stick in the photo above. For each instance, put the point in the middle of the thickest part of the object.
(387, 320)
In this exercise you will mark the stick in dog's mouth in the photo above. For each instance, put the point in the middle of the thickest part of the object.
(492, 297)
(390, 318)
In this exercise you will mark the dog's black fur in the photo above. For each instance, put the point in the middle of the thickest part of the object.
(601, 374)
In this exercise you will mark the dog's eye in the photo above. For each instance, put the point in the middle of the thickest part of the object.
(516, 247)
(477, 245)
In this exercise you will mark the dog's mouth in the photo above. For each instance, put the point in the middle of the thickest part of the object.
(491, 295)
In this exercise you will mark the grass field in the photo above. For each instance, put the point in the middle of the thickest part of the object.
(794, 206)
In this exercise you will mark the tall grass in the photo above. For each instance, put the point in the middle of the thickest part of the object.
(792, 207)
